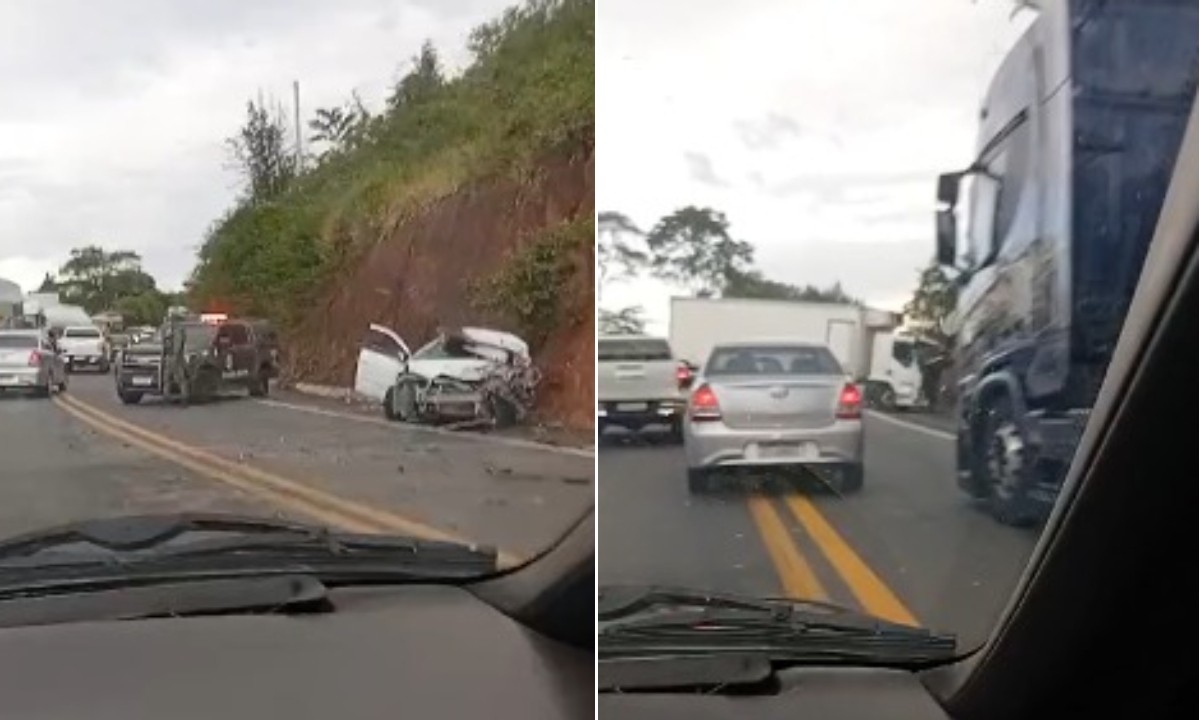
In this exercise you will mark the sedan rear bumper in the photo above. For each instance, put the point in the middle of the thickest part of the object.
(634, 414)
(21, 378)
(714, 444)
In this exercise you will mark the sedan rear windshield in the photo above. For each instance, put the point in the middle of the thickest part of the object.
(18, 342)
(81, 333)
(635, 349)
(772, 360)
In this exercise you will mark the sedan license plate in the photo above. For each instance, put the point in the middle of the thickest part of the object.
(143, 381)
(785, 451)
(631, 407)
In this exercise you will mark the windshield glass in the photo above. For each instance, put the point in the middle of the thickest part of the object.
(643, 349)
(316, 183)
(17, 342)
(771, 175)
(771, 360)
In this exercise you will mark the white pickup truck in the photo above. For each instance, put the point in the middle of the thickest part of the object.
(638, 384)
(84, 346)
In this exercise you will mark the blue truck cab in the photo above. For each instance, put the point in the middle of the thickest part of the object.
(1046, 231)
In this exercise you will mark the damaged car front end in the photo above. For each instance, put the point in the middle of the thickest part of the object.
(466, 377)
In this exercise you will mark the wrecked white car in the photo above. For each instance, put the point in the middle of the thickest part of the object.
(468, 375)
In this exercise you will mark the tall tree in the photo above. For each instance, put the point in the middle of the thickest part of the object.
(692, 246)
(96, 278)
(626, 321)
(933, 302)
(48, 284)
(261, 152)
(340, 127)
(753, 284)
(616, 257)
(420, 83)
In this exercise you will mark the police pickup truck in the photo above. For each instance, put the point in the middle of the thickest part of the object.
(192, 360)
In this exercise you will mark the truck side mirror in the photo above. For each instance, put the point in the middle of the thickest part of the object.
(947, 236)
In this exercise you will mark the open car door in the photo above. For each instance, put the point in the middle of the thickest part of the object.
(381, 357)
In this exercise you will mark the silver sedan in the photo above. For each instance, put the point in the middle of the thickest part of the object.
(30, 361)
(771, 404)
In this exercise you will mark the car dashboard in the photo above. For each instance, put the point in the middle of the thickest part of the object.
(413, 651)
(818, 693)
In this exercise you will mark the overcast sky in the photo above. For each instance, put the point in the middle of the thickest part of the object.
(114, 113)
(817, 126)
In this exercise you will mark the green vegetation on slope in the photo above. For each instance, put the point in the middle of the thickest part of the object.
(528, 91)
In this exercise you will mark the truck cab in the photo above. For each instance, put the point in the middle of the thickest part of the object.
(1047, 228)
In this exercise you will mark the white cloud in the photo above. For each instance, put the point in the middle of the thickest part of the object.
(124, 105)
(826, 123)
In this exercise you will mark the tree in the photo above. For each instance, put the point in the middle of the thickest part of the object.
(626, 321)
(145, 308)
(692, 247)
(48, 284)
(933, 302)
(100, 280)
(341, 127)
(752, 284)
(422, 82)
(260, 151)
(615, 257)
(94, 277)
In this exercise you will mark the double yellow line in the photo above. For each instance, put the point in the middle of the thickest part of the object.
(797, 575)
(285, 493)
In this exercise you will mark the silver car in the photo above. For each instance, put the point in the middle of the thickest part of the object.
(767, 404)
(29, 360)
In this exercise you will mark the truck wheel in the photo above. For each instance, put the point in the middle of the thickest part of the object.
(1006, 466)
(130, 398)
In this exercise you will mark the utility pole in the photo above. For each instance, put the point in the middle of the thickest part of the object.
(299, 142)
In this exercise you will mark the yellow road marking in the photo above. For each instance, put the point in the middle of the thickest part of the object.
(327, 508)
(871, 592)
(798, 579)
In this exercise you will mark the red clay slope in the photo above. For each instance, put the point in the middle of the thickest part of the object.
(416, 278)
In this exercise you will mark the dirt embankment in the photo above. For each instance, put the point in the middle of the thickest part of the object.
(417, 277)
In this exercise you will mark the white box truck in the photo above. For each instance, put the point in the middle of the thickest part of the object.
(869, 344)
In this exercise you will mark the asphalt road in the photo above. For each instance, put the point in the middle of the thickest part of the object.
(84, 455)
(909, 547)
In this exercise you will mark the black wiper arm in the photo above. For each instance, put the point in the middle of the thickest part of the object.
(658, 622)
(159, 538)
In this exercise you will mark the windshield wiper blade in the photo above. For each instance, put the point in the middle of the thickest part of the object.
(159, 541)
(655, 622)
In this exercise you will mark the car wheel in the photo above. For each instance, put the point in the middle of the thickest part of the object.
(403, 402)
(130, 398)
(504, 412)
(1005, 463)
(676, 435)
(389, 405)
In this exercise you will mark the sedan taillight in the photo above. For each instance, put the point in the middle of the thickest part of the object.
(850, 402)
(704, 405)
